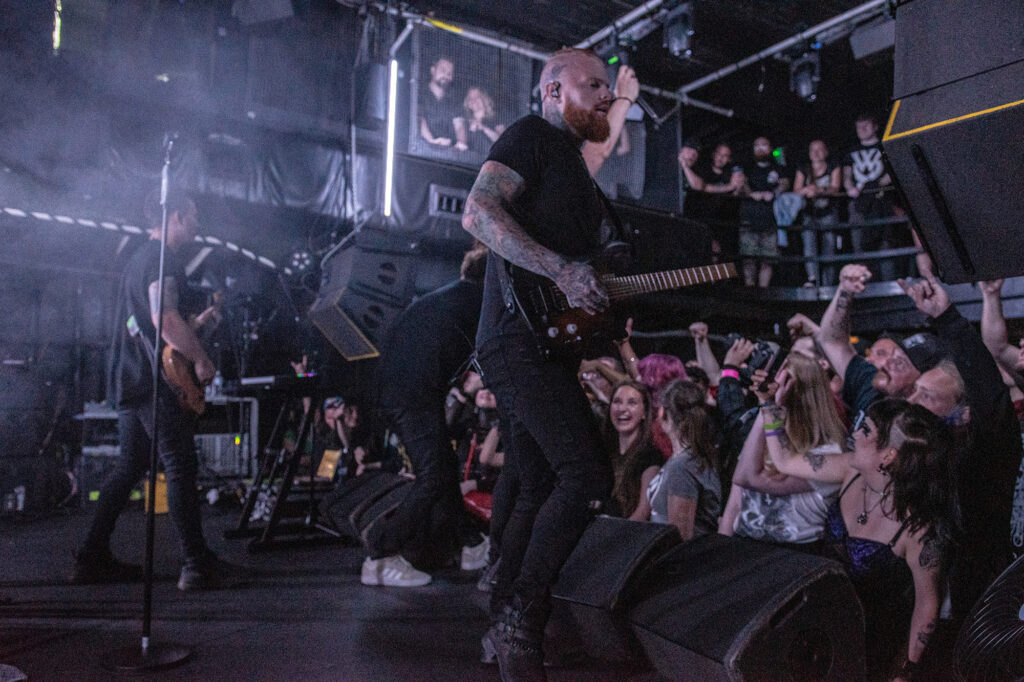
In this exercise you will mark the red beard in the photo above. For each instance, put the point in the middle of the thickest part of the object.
(585, 123)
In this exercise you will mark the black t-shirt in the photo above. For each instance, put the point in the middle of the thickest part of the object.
(761, 177)
(865, 160)
(559, 208)
(134, 372)
(438, 113)
(428, 344)
(858, 393)
(819, 207)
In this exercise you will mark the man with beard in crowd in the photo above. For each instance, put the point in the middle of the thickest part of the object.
(535, 205)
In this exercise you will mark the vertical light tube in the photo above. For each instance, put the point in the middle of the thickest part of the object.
(389, 161)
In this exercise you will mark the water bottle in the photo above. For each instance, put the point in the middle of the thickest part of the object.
(218, 384)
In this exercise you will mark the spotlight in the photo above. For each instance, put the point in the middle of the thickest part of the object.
(300, 261)
(804, 74)
(679, 30)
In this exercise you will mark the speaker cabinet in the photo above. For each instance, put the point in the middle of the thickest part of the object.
(595, 581)
(725, 608)
(366, 283)
(952, 139)
(351, 499)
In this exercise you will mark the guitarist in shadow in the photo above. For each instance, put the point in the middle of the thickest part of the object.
(134, 390)
(537, 208)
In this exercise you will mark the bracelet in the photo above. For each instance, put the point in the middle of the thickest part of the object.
(631, 101)
(774, 426)
(730, 373)
(774, 432)
(768, 404)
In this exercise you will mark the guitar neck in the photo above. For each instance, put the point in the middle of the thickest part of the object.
(624, 286)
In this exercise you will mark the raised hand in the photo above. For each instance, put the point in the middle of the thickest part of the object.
(699, 331)
(928, 295)
(800, 325)
(992, 287)
(626, 83)
(739, 352)
(582, 288)
(853, 278)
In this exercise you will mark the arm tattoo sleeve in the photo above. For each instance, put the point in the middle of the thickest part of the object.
(170, 295)
(487, 218)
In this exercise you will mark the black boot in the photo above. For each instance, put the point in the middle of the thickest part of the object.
(516, 641)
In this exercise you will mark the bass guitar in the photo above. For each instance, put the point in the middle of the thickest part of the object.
(564, 330)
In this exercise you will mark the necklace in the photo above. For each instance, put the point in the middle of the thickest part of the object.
(862, 518)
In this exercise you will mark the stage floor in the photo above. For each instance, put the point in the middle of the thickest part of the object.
(303, 616)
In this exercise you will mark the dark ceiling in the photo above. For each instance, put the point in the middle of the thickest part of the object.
(725, 31)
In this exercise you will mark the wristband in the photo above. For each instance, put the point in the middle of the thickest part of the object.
(631, 101)
(774, 426)
(773, 432)
(731, 373)
(767, 404)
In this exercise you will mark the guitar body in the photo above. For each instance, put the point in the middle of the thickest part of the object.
(561, 330)
(181, 377)
(567, 331)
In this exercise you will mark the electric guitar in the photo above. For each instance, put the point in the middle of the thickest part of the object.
(563, 330)
(179, 371)
(180, 374)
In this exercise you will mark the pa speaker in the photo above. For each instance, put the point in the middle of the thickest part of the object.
(366, 283)
(371, 81)
(726, 608)
(952, 140)
(595, 581)
(351, 498)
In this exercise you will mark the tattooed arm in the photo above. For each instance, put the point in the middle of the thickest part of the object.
(834, 334)
(487, 218)
(808, 465)
(925, 560)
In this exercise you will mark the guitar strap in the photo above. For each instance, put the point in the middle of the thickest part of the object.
(621, 232)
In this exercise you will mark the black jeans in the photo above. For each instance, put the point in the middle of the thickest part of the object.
(176, 448)
(434, 504)
(554, 441)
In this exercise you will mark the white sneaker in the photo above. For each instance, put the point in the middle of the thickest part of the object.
(392, 571)
(371, 571)
(475, 558)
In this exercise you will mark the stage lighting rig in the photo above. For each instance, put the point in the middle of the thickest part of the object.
(678, 30)
(804, 75)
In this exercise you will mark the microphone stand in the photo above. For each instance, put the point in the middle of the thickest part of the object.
(150, 656)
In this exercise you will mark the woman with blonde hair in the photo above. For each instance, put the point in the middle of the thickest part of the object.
(474, 130)
(765, 505)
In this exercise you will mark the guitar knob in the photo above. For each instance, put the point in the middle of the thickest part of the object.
(552, 332)
(571, 328)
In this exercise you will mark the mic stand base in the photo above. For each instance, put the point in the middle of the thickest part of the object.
(135, 659)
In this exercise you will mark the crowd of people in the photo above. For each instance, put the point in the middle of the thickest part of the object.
(825, 205)
(901, 463)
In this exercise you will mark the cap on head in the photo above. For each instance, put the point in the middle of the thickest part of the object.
(924, 350)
